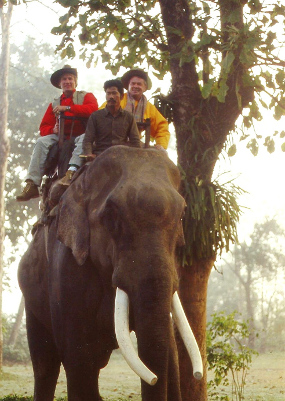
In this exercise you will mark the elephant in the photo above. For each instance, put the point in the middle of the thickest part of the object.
(103, 267)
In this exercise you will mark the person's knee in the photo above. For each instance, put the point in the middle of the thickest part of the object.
(45, 141)
(40, 141)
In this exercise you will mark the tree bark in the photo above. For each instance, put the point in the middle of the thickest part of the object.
(193, 295)
(250, 312)
(202, 127)
(16, 327)
(4, 141)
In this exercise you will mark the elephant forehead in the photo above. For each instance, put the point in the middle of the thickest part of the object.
(151, 199)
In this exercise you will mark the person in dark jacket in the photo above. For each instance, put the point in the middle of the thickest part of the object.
(108, 127)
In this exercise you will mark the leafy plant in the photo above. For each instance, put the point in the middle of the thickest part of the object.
(15, 397)
(210, 218)
(228, 355)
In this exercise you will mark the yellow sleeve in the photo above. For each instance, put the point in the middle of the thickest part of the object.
(124, 100)
(158, 125)
(102, 106)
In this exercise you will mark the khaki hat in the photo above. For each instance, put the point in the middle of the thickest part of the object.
(135, 73)
(55, 78)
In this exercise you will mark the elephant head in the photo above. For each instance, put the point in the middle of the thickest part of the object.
(124, 215)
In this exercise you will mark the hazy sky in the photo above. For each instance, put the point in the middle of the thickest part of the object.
(260, 176)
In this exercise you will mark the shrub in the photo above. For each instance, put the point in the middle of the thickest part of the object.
(15, 397)
(227, 355)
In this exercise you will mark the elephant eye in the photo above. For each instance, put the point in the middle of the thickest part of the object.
(110, 219)
(183, 212)
(180, 236)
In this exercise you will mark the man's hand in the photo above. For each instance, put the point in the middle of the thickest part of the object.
(58, 109)
(159, 147)
(56, 128)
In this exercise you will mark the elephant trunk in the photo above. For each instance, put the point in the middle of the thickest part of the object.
(125, 344)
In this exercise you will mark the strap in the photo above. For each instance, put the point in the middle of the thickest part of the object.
(56, 102)
(61, 129)
(78, 97)
(147, 133)
(145, 126)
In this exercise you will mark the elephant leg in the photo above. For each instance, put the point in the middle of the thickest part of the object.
(82, 383)
(45, 358)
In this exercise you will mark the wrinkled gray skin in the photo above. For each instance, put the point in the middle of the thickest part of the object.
(119, 225)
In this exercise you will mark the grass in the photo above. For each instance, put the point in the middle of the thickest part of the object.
(265, 382)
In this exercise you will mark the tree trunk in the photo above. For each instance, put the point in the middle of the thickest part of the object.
(246, 297)
(16, 327)
(202, 127)
(4, 141)
(250, 313)
(193, 295)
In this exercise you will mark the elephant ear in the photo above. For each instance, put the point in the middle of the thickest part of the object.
(73, 225)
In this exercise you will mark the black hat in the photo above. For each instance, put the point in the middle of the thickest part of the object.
(135, 73)
(55, 78)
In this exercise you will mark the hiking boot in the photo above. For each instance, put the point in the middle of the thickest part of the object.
(66, 180)
(29, 192)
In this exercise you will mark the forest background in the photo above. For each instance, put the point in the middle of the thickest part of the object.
(32, 62)
(249, 279)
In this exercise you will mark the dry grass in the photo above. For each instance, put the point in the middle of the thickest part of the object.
(265, 382)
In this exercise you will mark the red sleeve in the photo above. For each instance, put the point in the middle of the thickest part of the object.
(48, 122)
(88, 107)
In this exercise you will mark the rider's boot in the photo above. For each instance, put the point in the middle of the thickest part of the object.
(66, 180)
(30, 191)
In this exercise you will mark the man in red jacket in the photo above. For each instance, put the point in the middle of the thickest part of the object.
(77, 104)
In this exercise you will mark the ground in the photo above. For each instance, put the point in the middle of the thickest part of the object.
(265, 382)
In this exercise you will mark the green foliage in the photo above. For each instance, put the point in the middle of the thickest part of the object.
(252, 282)
(13, 2)
(228, 355)
(224, 58)
(245, 45)
(15, 397)
(232, 150)
(210, 218)
(18, 353)
(118, 30)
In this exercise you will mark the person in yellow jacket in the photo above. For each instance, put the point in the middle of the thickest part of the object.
(136, 82)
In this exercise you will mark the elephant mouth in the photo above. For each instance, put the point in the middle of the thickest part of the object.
(126, 346)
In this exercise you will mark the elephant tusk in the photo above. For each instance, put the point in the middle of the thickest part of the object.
(124, 340)
(187, 335)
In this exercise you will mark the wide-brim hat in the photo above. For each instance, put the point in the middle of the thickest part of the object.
(55, 78)
(135, 73)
